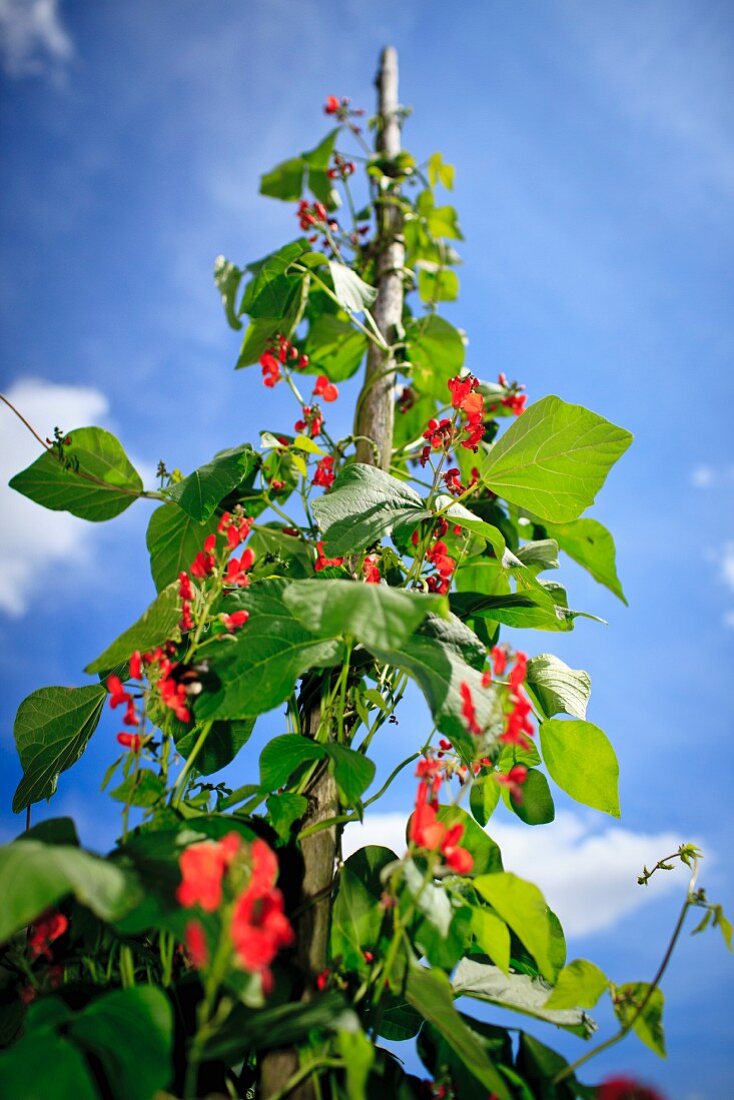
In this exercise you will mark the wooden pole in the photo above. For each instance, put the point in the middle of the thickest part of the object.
(375, 420)
(377, 401)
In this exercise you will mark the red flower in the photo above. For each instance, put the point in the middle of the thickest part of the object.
(236, 530)
(486, 677)
(467, 709)
(625, 1088)
(136, 666)
(499, 660)
(324, 475)
(326, 389)
(513, 780)
(187, 622)
(237, 570)
(370, 570)
(516, 402)
(259, 929)
(322, 562)
(118, 695)
(131, 715)
(235, 620)
(332, 105)
(322, 979)
(461, 388)
(270, 368)
(425, 829)
(202, 869)
(195, 944)
(173, 694)
(48, 927)
(458, 859)
(185, 590)
(131, 741)
(312, 421)
(204, 563)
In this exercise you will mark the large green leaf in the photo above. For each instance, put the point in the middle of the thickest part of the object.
(648, 1025)
(554, 459)
(222, 744)
(485, 853)
(531, 608)
(227, 278)
(258, 669)
(272, 289)
(354, 294)
(353, 772)
(429, 991)
(581, 760)
(280, 1026)
(364, 504)
(519, 992)
(34, 876)
(200, 492)
(522, 906)
(158, 624)
(334, 347)
(590, 544)
(492, 936)
(373, 614)
(436, 350)
(142, 1015)
(99, 483)
(282, 756)
(51, 731)
(556, 688)
(285, 181)
(441, 930)
(535, 803)
(173, 540)
(357, 917)
(579, 985)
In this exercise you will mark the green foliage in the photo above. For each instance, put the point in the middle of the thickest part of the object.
(158, 623)
(95, 480)
(364, 505)
(51, 730)
(174, 539)
(581, 760)
(580, 984)
(199, 493)
(556, 688)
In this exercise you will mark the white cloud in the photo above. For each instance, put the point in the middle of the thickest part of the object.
(726, 564)
(589, 877)
(34, 542)
(706, 476)
(32, 37)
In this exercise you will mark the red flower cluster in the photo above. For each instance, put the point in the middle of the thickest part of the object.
(453, 482)
(339, 106)
(513, 400)
(235, 620)
(471, 404)
(324, 474)
(426, 830)
(202, 870)
(314, 215)
(326, 389)
(342, 169)
(236, 528)
(276, 355)
(370, 569)
(441, 560)
(260, 927)
(312, 421)
(440, 436)
(518, 720)
(186, 595)
(322, 562)
(205, 561)
(119, 696)
(48, 927)
(237, 570)
(468, 710)
(625, 1088)
(514, 780)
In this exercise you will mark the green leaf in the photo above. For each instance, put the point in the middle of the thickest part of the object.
(353, 772)
(283, 755)
(457, 513)
(483, 798)
(227, 278)
(492, 936)
(34, 876)
(51, 731)
(436, 350)
(443, 221)
(317, 162)
(648, 1026)
(285, 181)
(281, 1026)
(364, 504)
(539, 555)
(272, 289)
(158, 624)
(223, 743)
(556, 688)
(581, 760)
(442, 927)
(141, 788)
(518, 992)
(277, 553)
(173, 540)
(353, 293)
(373, 614)
(258, 669)
(485, 853)
(440, 172)
(531, 608)
(579, 985)
(200, 493)
(535, 804)
(285, 809)
(62, 1072)
(592, 546)
(429, 991)
(522, 906)
(261, 331)
(102, 484)
(357, 917)
(554, 459)
(437, 284)
(334, 347)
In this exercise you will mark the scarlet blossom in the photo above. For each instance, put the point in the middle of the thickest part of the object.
(131, 715)
(136, 666)
(270, 368)
(332, 105)
(237, 570)
(514, 780)
(452, 480)
(173, 694)
(407, 398)
(370, 570)
(185, 590)
(132, 741)
(235, 620)
(486, 677)
(425, 829)
(276, 484)
(458, 859)
(326, 389)
(205, 562)
(625, 1088)
(467, 709)
(259, 929)
(519, 672)
(235, 529)
(312, 421)
(118, 695)
(499, 660)
(515, 402)
(460, 389)
(322, 562)
(324, 475)
(187, 621)
(322, 979)
(368, 956)
(49, 926)
(195, 944)
(202, 869)
(444, 565)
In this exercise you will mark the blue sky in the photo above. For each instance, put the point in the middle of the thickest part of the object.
(595, 158)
